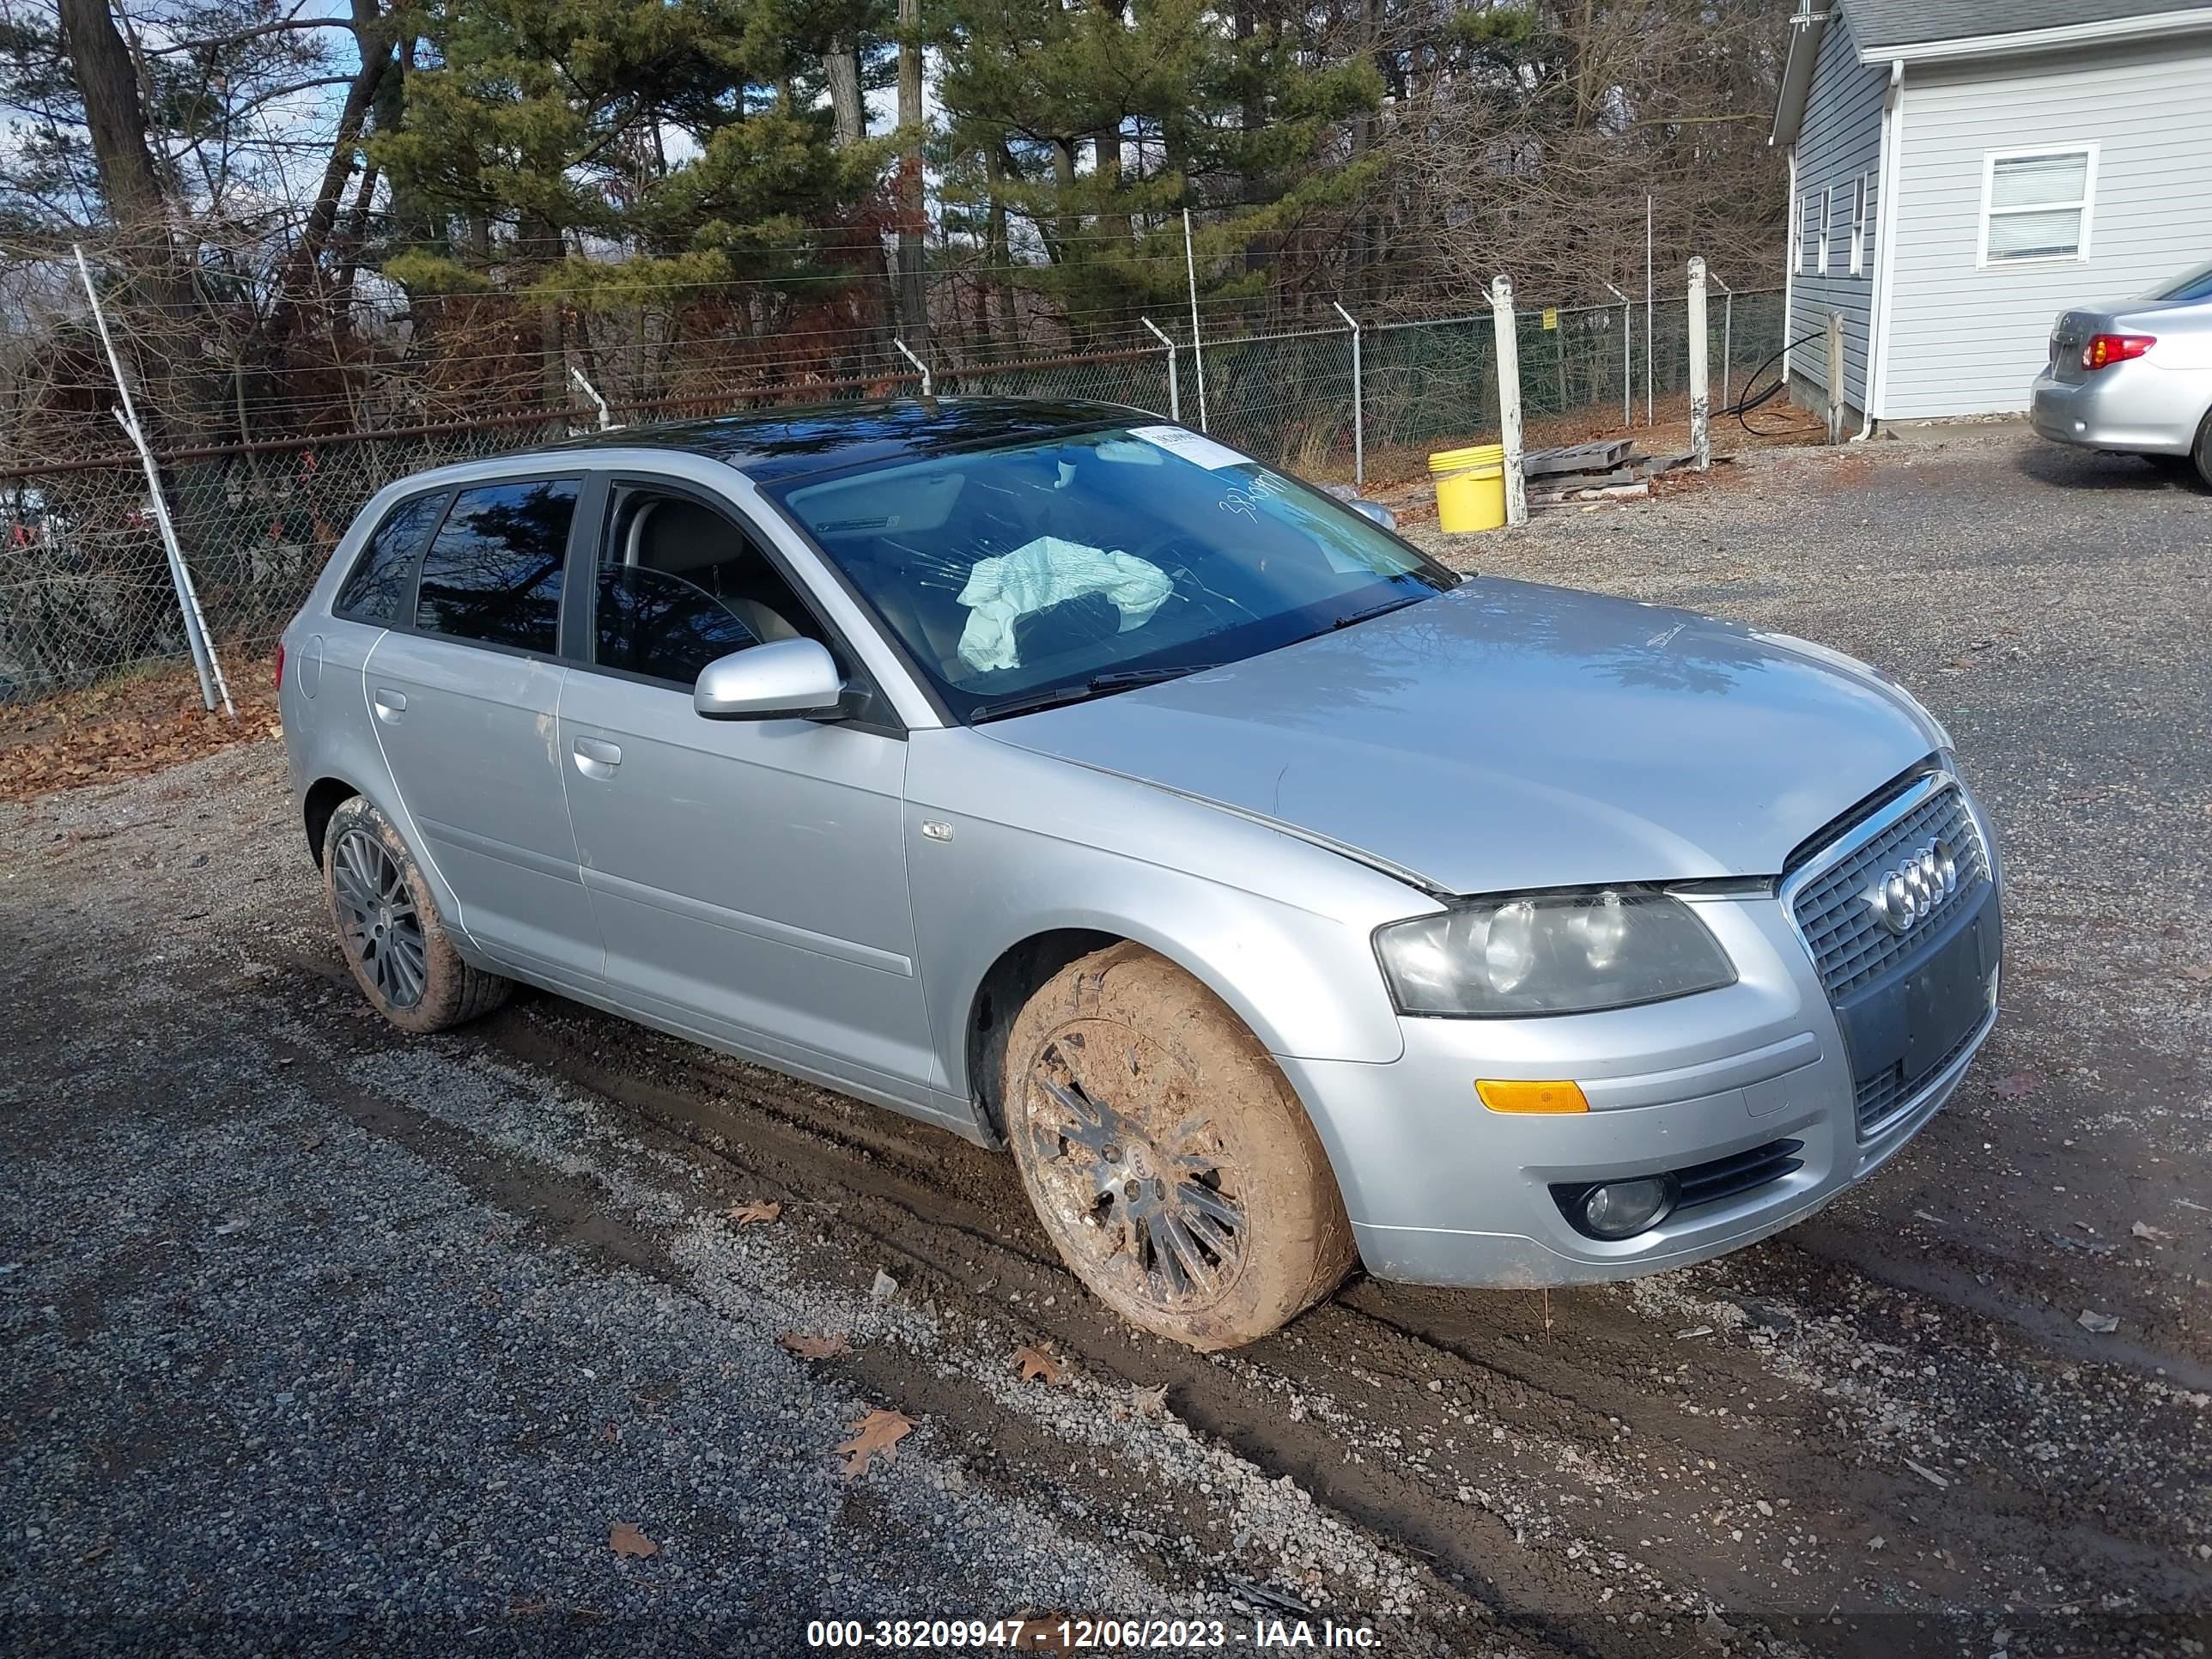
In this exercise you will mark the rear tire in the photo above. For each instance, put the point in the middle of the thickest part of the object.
(390, 930)
(2201, 451)
(1167, 1155)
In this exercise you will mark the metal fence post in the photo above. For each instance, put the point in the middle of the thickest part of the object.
(1175, 390)
(583, 381)
(1359, 424)
(1508, 398)
(907, 352)
(1728, 339)
(1197, 334)
(1627, 354)
(204, 663)
(1701, 437)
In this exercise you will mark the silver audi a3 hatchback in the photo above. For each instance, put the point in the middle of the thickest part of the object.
(1069, 780)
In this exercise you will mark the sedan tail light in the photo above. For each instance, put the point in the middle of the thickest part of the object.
(2103, 349)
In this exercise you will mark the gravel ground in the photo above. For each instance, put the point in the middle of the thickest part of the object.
(321, 1339)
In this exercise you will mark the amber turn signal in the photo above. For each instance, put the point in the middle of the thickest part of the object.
(1515, 1095)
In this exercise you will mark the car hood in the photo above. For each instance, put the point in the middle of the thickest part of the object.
(1505, 735)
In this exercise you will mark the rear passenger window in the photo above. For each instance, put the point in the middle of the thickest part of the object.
(493, 573)
(373, 588)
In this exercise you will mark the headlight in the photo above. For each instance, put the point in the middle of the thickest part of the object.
(1559, 953)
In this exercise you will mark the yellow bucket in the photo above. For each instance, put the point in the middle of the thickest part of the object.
(1470, 487)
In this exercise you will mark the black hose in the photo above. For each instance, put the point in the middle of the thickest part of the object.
(1745, 405)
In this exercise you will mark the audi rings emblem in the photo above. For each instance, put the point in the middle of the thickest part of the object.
(1903, 897)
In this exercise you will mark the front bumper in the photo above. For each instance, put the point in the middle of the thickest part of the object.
(2135, 407)
(1441, 1191)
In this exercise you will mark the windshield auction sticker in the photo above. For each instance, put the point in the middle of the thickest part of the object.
(1193, 447)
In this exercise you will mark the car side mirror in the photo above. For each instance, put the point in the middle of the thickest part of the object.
(782, 679)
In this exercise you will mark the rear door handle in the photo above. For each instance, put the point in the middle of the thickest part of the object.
(390, 705)
(596, 757)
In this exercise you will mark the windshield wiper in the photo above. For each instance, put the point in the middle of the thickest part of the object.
(1375, 610)
(1098, 685)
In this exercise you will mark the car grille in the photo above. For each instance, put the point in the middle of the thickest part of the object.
(1849, 946)
(1738, 1174)
(1882, 1097)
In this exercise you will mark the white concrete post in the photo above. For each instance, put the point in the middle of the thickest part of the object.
(1175, 390)
(1701, 437)
(1359, 424)
(1835, 377)
(1508, 398)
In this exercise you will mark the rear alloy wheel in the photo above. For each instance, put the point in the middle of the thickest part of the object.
(389, 928)
(1167, 1155)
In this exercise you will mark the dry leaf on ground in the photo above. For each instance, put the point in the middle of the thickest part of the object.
(807, 1345)
(755, 1213)
(134, 723)
(624, 1539)
(878, 1433)
(2013, 1086)
(1035, 1363)
(1153, 1400)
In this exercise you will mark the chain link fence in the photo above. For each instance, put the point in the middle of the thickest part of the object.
(85, 590)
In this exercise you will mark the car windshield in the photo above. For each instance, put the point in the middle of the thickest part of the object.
(2197, 285)
(1086, 563)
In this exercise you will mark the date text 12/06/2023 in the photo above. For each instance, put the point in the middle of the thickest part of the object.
(1066, 1634)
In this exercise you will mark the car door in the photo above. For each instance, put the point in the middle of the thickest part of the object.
(465, 698)
(749, 877)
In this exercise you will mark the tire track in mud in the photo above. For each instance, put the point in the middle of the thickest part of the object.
(1773, 1500)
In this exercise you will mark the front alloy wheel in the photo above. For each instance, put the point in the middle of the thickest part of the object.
(1166, 1155)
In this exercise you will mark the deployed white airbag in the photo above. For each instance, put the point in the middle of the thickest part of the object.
(1001, 591)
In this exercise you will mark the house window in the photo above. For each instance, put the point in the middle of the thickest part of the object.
(2035, 203)
(1860, 196)
(1797, 236)
(1828, 212)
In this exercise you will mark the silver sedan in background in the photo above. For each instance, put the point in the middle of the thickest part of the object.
(1070, 780)
(2134, 378)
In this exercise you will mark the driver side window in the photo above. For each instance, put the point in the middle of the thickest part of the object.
(681, 584)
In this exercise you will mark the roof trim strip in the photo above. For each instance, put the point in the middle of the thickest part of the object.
(2149, 26)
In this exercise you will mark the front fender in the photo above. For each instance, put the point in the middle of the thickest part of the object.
(1022, 845)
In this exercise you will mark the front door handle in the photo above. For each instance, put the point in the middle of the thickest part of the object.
(596, 757)
(390, 705)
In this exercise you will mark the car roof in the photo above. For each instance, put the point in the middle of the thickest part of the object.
(772, 445)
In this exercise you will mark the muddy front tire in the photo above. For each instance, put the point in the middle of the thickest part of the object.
(1167, 1155)
(389, 929)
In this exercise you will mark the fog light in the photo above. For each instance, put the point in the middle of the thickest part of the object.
(1622, 1209)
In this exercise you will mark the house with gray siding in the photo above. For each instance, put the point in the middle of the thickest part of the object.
(1960, 174)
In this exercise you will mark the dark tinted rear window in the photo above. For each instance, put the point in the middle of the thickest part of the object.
(492, 573)
(373, 588)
